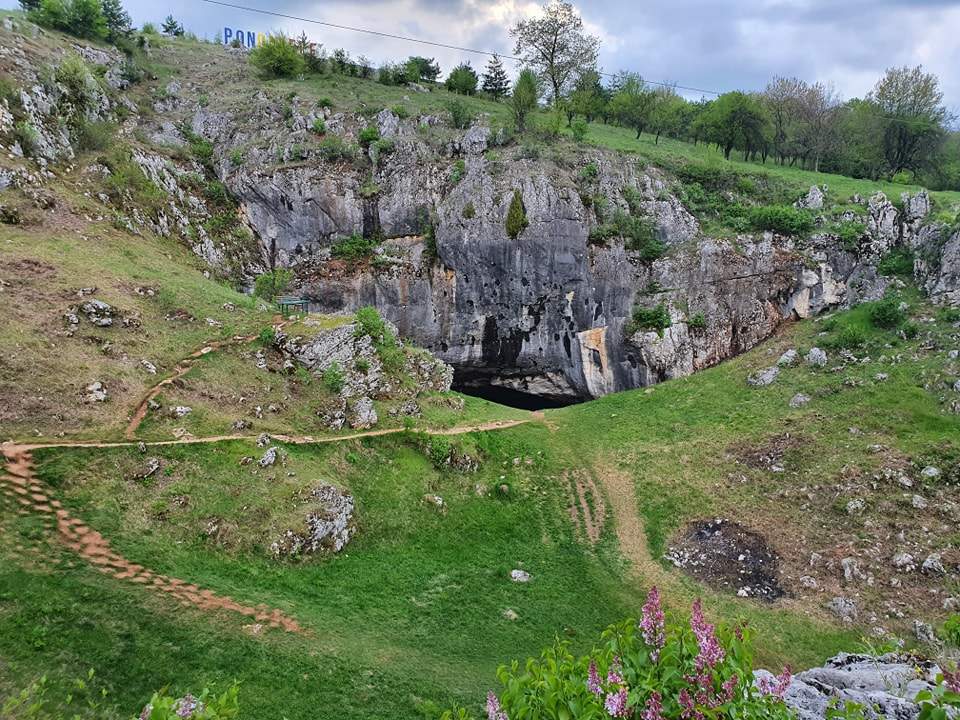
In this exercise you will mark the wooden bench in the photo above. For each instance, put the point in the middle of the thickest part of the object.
(287, 304)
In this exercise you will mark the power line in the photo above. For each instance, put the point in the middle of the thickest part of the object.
(426, 42)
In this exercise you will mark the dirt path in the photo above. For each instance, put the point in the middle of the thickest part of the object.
(22, 485)
(179, 370)
(621, 491)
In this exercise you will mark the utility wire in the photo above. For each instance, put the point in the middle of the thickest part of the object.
(426, 42)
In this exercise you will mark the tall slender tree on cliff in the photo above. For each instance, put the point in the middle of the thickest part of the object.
(118, 19)
(496, 84)
(556, 46)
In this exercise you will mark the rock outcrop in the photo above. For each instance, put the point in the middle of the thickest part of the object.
(885, 686)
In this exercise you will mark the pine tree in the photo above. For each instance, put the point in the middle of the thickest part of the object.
(495, 81)
(30, 4)
(171, 26)
(118, 19)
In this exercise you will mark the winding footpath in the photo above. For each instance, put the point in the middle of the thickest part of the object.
(20, 485)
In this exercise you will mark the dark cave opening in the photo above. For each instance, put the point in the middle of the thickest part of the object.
(476, 385)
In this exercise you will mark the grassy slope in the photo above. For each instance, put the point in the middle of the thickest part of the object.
(412, 611)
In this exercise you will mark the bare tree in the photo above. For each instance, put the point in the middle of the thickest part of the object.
(782, 98)
(556, 46)
(818, 113)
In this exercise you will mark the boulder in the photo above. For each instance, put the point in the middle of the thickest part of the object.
(764, 377)
(816, 357)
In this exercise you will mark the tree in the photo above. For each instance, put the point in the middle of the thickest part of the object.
(817, 110)
(496, 84)
(782, 98)
(83, 18)
(117, 19)
(860, 146)
(523, 101)
(278, 56)
(633, 102)
(421, 68)
(170, 26)
(735, 120)
(556, 46)
(462, 79)
(587, 98)
(667, 114)
(914, 117)
(29, 5)
(272, 283)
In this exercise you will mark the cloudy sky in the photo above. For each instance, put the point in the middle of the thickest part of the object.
(712, 44)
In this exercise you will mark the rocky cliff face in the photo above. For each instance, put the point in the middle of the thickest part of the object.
(548, 312)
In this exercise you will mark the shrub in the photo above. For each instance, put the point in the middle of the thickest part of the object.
(849, 337)
(516, 216)
(951, 630)
(782, 219)
(278, 57)
(27, 135)
(333, 378)
(237, 157)
(370, 323)
(83, 18)
(332, 148)
(324, 102)
(272, 284)
(886, 313)
(458, 170)
(697, 322)
(638, 233)
(460, 115)
(589, 171)
(400, 111)
(267, 337)
(662, 666)
(368, 135)
(353, 249)
(655, 318)
(849, 234)
(469, 211)
(462, 79)
(579, 130)
(897, 263)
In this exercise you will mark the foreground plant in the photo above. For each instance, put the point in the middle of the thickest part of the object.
(206, 706)
(662, 667)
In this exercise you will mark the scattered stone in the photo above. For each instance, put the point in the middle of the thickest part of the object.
(809, 582)
(141, 447)
(98, 312)
(918, 502)
(813, 200)
(362, 414)
(856, 506)
(436, 501)
(904, 561)
(930, 473)
(241, 424)
(851, 569)
(788, 358)
(816, 357)
(764, 377)
(510, 615)
(269, 458)
(881, 377)
(799, 400)
(951, 604)
(843, 608)
(329, 525)
(924, 632)
(180, 411)
(149, 367)
(263, 440)
(229, 306)
(153, 464)
(934, 564)
(96, 393)
(520, 576)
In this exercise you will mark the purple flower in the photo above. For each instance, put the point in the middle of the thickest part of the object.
(593, 679)
(952, 680)
(494, 712)
(777, 686)
(146, 712)
(614, 676)
(651, 622)
(187, 706)
(653, 710)
(710, 651)
(688, 708)
(616, 704)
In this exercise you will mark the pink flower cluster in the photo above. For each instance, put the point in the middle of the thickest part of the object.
(653, 710)
(593, 679)
(616, 703)
(494, 711)
(777, 686)
(652, 623)
(615, 697)
(711, 653)
(952, 680)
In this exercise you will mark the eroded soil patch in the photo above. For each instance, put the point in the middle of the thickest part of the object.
(728, 556)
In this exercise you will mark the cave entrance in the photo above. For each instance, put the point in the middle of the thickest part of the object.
(482, 387)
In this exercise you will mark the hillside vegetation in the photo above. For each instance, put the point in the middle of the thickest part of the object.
(200, 491)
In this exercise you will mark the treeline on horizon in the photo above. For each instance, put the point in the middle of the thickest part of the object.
(900, 131)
